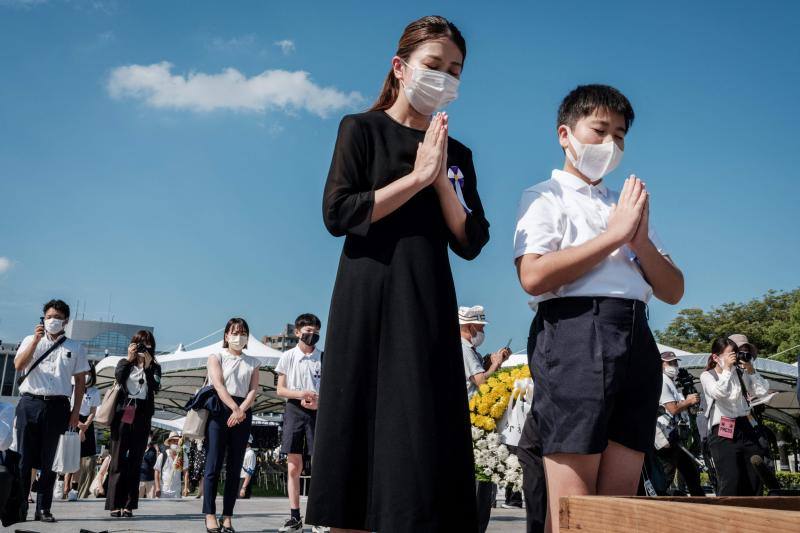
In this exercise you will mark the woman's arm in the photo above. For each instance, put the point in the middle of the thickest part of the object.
(723, 388)
(253, 392)
(215, 371)
(755, 382)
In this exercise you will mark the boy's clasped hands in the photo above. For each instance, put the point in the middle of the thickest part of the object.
(629, 219)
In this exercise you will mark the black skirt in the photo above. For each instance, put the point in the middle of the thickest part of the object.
(392, 450)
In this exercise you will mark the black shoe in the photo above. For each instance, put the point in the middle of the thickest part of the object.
(127, 514)
(44, 516)
(293, 524)
(213, 529)
(224, 529)
(115, 514)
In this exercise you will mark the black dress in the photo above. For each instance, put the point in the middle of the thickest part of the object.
(393, 451)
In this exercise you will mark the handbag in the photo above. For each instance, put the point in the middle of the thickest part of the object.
(108, 408)
(198, 408)
(68, 454)
(194, 425)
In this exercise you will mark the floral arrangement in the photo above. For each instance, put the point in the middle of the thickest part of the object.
(493, 461)
(488, 405)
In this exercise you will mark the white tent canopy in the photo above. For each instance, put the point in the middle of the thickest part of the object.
(184, 372)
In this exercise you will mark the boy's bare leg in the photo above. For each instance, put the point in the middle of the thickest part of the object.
(620, 468)
(568, 474)
(294, 467)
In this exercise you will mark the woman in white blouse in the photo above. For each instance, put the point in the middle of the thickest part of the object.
(235, 379)
(733, 436)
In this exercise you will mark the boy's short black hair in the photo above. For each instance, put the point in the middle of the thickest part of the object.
(307, 319)
(59, 305)
(584, 100)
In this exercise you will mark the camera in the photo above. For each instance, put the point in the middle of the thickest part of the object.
(744, 357)
(685, 381)
(141, 348)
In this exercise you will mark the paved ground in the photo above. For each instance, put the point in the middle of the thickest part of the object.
(178, 516)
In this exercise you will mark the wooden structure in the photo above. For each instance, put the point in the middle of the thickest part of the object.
(595, 514)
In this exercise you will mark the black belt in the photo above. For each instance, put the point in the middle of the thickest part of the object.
(44, 397)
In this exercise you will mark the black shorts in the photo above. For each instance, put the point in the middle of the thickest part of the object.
(298, 429)
(597, 375)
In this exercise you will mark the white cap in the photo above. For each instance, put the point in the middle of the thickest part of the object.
(471, 315)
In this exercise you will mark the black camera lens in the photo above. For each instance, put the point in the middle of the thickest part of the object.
(744, 357)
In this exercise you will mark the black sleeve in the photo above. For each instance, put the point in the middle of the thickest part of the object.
(476, 225)
(121, 374)
(348, 198)
(156, 381)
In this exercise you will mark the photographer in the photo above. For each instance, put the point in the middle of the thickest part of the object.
(728, 381)
(477, 368)
(676, 417)
(139, 378)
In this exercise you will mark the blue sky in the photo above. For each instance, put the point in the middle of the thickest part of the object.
(186, 202)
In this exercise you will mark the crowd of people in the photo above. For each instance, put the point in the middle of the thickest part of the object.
(387, 428)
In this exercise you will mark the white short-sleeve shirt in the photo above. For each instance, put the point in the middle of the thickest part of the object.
(249, 463)
(53, 376)
(670, 393)
(564, 212)
(91, 398)
(170, 478)
(473, 364)
(237, 371)
(302, 371)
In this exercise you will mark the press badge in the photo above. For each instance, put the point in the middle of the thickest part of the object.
(726, 426)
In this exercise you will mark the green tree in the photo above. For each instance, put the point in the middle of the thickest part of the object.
(771, 322)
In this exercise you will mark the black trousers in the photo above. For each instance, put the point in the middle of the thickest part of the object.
(128, 442)
(735, 474)
(673, 458)
(534, 485)
(221, 441)
(40, 423)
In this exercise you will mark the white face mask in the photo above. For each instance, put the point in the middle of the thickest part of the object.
(478, 339)
(173, 447)
(593, 160)
(237, 342)
(430, 89)
(53, 325)
(671, 372)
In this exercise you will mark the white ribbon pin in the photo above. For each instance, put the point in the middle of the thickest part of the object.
(457, 179)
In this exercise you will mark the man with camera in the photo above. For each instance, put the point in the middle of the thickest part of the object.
(46, 363)
(674, 425)
(477, 368)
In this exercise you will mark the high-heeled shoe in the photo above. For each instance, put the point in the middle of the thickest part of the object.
(213, 529)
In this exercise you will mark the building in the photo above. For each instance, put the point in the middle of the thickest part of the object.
(103, 338)
(285, 340)
(8, 376)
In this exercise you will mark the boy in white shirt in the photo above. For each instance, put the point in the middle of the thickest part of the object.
(590, 260)
(299, 373)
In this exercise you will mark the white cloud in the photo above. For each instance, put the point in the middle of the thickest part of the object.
(229, 90)
(234, 43)
(5, 264)
(286, 46)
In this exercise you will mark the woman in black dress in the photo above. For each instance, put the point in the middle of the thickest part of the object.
(392, 449)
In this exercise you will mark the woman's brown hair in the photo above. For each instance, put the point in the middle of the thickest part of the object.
(145, 337)
(717, 347)
(416, 34)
